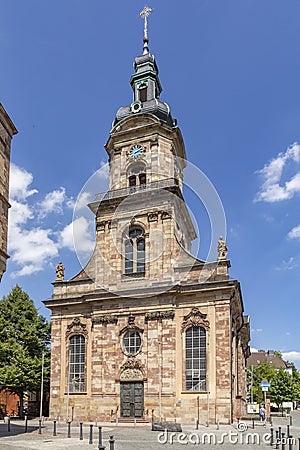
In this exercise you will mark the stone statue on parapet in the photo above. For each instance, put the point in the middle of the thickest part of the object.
(60, 272)
(222, 249)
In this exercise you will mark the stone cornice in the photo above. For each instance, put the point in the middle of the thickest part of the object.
(105, 319)
(159, 315)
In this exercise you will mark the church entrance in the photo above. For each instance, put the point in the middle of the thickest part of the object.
(132, 399)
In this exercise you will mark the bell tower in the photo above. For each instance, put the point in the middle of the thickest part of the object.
(146, 159)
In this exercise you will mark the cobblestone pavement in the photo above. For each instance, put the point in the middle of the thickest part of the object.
(142, 438)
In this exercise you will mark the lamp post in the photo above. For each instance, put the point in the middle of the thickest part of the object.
(42, 387)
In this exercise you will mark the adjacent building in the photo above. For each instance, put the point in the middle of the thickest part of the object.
(146, 330)
(7, 131)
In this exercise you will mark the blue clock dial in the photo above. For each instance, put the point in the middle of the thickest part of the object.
(136, 150)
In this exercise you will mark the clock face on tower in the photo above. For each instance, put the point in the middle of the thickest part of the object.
(136, 150)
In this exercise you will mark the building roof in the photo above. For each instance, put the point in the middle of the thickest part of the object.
(268, 357)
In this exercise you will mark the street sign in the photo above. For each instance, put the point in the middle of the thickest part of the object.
(264, 389)
(265, 384)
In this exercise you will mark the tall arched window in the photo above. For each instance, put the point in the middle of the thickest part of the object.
(135, 251)
(195, 359)
(76, 375)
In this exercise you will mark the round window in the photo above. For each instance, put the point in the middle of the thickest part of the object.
(132, 342)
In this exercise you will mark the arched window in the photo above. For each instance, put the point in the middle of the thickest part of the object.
(132, 180)
(195, 359)
(143, 93)
(136, 175)
(142, 178)
(135, 251)
(76, 373)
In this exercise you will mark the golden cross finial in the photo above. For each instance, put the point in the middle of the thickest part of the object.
(144, 14)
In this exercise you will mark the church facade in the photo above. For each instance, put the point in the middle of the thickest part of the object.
(146, 330)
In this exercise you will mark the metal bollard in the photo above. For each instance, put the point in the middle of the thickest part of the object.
(91, 435)
(277, 439)
(291, 420)
(197, 424)
(100, 445)
(218, 424)
(290, 441)
(253, 423)
(69, 429)
(282, 441)
(279, 432)
(111, 443)
(299, 443)
(272, 436)
(54, 428)
(287, 430)
(80, 431)
(26, 424)
(40, 426)
(8, 424)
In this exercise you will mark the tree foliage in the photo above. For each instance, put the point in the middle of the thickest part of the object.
(284, 387)
(24, 337)
(255, 375)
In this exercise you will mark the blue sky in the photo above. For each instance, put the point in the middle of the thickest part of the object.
(230, 71)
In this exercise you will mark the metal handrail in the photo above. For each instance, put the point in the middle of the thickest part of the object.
(124, 192)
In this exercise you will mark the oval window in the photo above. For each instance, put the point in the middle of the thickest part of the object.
(132, 342)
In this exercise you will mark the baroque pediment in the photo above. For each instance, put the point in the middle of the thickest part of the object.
(194, 319)
(76, 327)
(132, 370)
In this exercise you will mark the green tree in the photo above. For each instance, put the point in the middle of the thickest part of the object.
(282, 388)
(24, 337)
(255, 375)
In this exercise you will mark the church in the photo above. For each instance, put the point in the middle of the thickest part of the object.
(146, 331)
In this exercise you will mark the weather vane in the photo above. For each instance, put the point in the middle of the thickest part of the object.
(144, 14)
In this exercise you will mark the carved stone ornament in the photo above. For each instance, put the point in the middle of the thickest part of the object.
(132, 370)
(195, 319)
(105, 319)
(113, 223)
(101, 226)
(165, 215)
(131, 326)
(76, 327)
(153, 217)
(159, 315)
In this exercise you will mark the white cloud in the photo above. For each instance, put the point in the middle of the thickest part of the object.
(53, 202)
(83, 199)
(291, 356)
(31, 246)
(19, 213)
(78, 236)
(288, 265)
(31, 249)
(253, 350)
(256, 330)
(20, 180)
(271, 190)
(294, 233)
